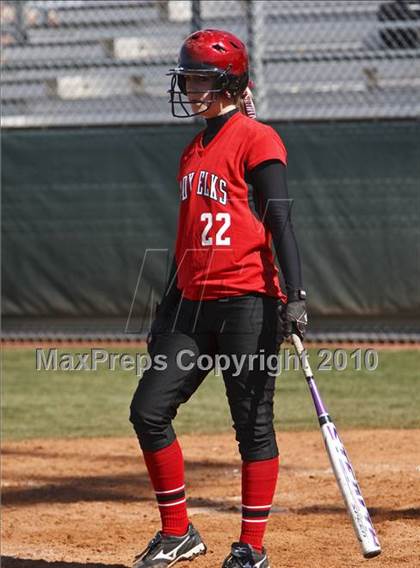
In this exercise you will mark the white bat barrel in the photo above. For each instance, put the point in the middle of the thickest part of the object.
(341, 466)
(350, 490)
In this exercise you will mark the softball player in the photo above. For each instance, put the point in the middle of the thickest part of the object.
(223, 297)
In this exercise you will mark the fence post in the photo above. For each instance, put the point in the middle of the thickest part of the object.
(20, 22)
(196, 15)
(255, 23)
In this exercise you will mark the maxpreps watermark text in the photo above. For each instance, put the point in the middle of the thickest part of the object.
(286, 360)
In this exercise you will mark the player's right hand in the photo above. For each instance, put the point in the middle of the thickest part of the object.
(162, 322)
(154, 330)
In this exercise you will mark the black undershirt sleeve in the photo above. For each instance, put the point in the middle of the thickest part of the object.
(274, 207)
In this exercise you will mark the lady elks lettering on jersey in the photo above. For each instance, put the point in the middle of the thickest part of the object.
(208, 185)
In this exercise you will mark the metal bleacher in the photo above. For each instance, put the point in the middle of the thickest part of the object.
(79, 62)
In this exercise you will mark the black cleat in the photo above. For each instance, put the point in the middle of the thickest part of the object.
(164, 551)
(244, 556)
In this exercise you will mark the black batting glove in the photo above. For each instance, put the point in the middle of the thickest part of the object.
(155, 329)
(164, 318)
(295, 317)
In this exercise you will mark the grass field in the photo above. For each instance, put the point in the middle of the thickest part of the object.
(95, 403)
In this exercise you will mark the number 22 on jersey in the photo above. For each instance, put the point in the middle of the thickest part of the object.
(222, 224)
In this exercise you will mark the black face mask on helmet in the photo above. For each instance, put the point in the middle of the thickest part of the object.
(179, 98)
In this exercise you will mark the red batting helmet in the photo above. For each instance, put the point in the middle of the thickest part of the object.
(210, 53)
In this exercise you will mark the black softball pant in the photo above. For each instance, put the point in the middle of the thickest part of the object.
(241, 327)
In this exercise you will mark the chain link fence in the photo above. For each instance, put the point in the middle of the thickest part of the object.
(86, 62)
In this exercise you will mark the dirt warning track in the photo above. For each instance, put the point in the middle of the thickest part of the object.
(87, 502)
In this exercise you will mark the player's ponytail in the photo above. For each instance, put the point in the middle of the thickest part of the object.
(245, 102)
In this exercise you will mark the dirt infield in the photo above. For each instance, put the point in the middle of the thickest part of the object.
(76, 503)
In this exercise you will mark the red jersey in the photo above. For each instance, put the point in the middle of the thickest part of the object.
(222, 248)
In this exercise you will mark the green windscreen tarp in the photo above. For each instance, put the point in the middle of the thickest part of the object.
(82, 206)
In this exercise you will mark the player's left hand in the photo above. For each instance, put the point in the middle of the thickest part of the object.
(295, 318)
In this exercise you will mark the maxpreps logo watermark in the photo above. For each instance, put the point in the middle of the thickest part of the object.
(185, 360)
(96, 360)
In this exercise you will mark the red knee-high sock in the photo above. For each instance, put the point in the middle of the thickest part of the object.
(166, 471)
(258, 485)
